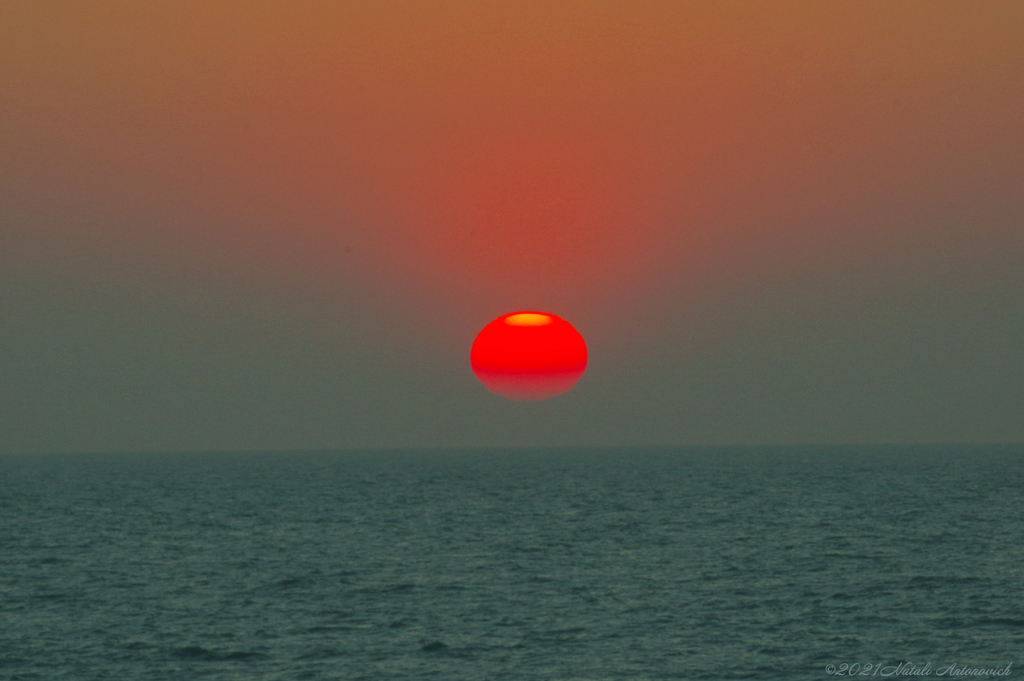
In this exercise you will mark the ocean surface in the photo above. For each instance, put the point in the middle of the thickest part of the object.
(632, 564)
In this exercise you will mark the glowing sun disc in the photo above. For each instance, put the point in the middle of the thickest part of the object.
(529, 356)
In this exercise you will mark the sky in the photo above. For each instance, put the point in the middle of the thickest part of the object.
(280, 225)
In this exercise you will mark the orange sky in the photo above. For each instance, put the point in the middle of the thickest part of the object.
(463, 159)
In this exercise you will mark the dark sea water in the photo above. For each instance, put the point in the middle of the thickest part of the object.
(561, 564)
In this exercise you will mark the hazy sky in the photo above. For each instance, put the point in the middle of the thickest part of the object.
(264, 225)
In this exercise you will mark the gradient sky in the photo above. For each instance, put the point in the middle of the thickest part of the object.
(267, 225)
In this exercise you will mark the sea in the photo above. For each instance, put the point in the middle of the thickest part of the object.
(572, 564)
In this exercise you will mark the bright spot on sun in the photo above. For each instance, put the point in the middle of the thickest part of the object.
(528, 319)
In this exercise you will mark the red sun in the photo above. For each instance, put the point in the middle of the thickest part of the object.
(529, 356)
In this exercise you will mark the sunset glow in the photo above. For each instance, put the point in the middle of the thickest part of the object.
(282, 224)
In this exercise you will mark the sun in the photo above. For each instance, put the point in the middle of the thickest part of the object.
(529, 356)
